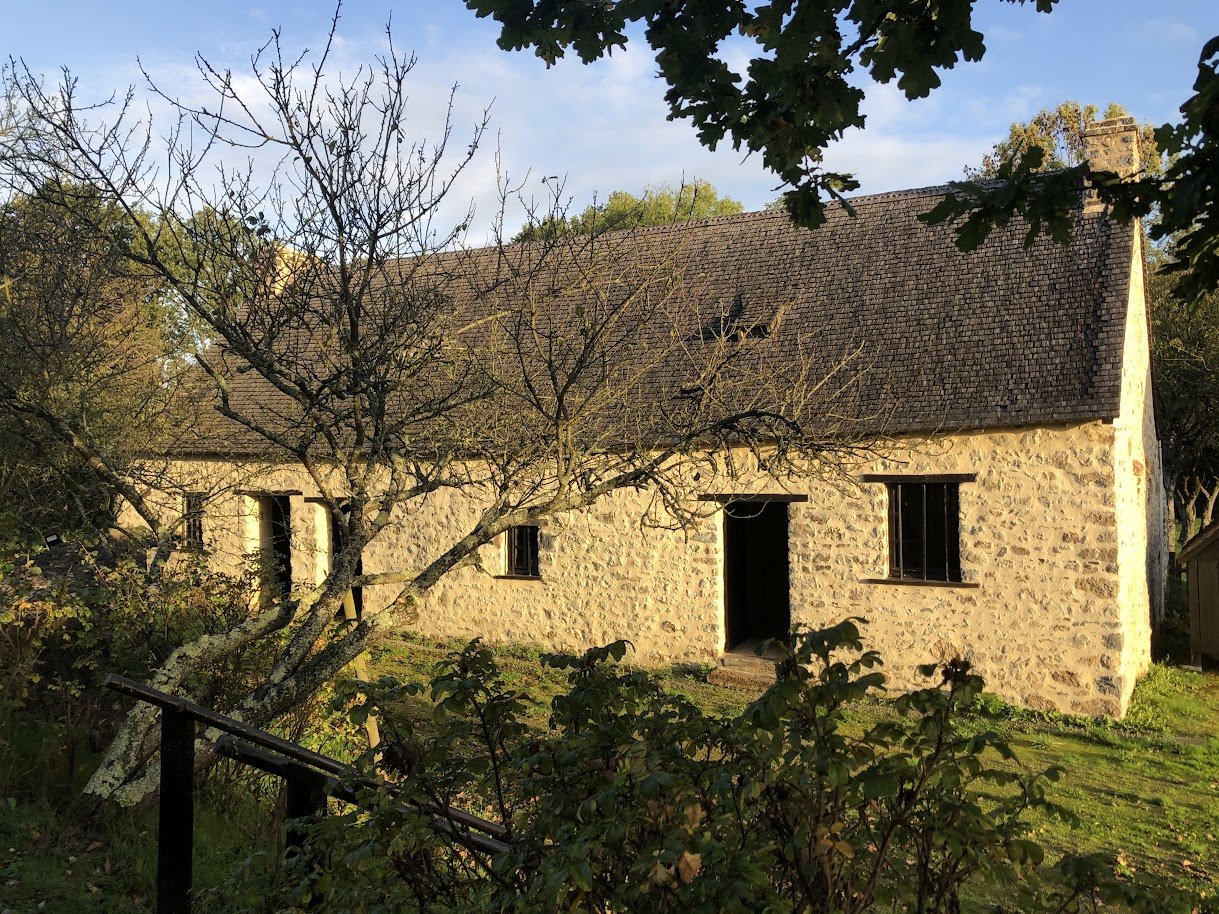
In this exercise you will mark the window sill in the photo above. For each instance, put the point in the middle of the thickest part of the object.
(518, 577)
(915, 582)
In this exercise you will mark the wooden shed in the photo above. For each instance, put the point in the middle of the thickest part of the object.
(1200, 556)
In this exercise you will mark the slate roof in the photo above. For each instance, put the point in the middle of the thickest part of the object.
(943, 341)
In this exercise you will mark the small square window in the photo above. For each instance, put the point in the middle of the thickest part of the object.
(924, 531)
(192, 521)
(523, 552)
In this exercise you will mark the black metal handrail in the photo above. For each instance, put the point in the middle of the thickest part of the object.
(309, 776)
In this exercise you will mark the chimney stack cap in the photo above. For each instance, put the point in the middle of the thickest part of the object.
(1113, 145)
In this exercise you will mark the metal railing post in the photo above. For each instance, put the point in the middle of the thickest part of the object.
(306, 800)
(310, 776)
(176, 824)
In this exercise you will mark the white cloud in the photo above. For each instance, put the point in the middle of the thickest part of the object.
(1170, 31)
(604, 126)
(911, 144)
(893, 161)
(1018, 104)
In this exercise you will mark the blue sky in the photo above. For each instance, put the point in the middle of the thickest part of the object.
(603, 127)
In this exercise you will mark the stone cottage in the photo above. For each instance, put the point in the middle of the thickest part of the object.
(1015, 517)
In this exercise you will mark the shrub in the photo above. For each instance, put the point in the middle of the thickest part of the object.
(67, 619)
(637, 801)
(35, 614)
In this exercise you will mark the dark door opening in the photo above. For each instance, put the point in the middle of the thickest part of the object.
(277, 543)
(756, 602)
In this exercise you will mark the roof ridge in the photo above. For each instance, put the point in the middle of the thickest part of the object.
(759, 215)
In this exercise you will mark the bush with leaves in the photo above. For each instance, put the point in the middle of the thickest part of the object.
(67, 619)
(637, 800)
(35, 613)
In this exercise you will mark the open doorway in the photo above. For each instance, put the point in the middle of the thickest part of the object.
(756, 601)
(275, 542)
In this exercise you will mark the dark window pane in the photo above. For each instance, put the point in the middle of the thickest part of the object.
(895, 530)
(280, 512)
(952, 533)
(912, 530)
(193, 521)
(523, 557)
(338, 542)
(937, 532)
(924, 531)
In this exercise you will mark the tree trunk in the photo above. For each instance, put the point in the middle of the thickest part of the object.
(137, 740)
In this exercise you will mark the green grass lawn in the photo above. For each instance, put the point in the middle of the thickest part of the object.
(52, 862)
(1145, 789)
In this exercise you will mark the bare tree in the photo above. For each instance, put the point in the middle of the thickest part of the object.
(361, 342)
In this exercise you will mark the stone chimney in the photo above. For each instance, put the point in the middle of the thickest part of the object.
(1111, 145)
(289, 264)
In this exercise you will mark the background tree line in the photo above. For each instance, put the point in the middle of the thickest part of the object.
(660, 204)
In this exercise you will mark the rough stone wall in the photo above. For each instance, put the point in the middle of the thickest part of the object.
(602, 578)
(1038, 617)
(1039, 537)
(1139, 489)
(232, 521)
(1043, 614)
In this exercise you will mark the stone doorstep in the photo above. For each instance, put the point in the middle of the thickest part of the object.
(743, 668)
(741, 679)
(746, 653)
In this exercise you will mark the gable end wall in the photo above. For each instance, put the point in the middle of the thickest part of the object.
(1139, 485)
